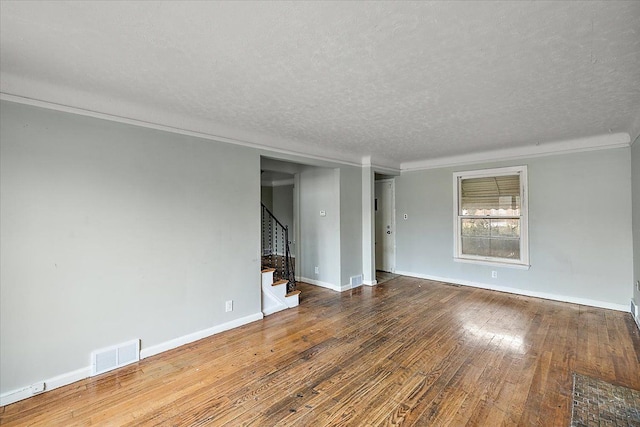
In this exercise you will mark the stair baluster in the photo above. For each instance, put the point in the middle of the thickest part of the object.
(276, 252)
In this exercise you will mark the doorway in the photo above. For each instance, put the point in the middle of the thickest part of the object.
(385, 243)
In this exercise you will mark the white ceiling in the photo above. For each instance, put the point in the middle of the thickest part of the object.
(396, 81)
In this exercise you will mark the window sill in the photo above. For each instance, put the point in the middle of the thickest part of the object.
(493, 263)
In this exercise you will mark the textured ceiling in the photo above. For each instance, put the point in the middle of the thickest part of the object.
(395, 81)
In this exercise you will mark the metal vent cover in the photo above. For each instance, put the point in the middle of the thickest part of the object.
(109, 358)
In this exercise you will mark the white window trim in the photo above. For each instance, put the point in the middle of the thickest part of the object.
(523, 262)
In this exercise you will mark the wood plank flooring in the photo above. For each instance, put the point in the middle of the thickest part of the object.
(407, 352)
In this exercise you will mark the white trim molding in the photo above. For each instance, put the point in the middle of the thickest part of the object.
(83, 373)
(518, 291)
(279, 145)
(635, 312)
(50, 384)
(599, 142)
(337, 288)
(493, 264)
(383, 166)
(522, 217)
(296, 148)
(281, 182)
(195, 336)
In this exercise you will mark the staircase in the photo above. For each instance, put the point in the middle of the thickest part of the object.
(278, 266)
(274, 294)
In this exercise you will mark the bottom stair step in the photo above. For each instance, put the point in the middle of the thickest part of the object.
(290, 294)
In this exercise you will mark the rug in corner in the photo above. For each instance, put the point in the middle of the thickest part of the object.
(599, 403)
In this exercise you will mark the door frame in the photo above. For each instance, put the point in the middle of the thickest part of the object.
(393, 220)
(297, 235)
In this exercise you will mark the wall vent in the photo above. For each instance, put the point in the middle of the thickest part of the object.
(356, 280)
(109, 358)
(634, 309)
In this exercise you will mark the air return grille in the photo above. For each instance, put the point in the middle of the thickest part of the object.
(109, 358)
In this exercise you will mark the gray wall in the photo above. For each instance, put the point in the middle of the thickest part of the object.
(350, 223)
(112, 232)
(334, 242)
(283, 210)
(635, 185)
(266, 196)
(579, 226)
(320, 236)
(283, 206)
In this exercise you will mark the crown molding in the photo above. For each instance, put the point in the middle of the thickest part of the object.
(177, 130)
(282, 182)
(381, 166)
(277, 183)
(599, 142)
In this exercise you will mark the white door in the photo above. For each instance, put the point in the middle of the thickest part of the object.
(385, 226)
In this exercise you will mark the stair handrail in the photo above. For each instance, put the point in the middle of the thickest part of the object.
(289, 270)
(272, 215)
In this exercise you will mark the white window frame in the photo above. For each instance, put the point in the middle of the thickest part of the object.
(458, 256)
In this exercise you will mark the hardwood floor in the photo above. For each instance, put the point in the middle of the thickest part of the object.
(383, 276)
(409, 352)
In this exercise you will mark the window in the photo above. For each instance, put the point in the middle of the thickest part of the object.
(490, 216)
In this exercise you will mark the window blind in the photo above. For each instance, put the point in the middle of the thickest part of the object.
(496, 196)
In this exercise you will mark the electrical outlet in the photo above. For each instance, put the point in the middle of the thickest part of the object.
(494, 274)
(317, 270)
(406, 216)
(37, 388)
(638, 285)
(228, 306)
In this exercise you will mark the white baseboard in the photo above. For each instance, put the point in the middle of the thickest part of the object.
(370, 282)
(331, 286)
(636, 314)
(195, 336)
(80, 374)
(544, 295)
(274, 309)
(51, 384)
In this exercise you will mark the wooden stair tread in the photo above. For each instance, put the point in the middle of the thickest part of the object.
(268, 270)
(290, 294)
(279, 282)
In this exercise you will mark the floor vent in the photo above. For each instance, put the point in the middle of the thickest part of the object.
(356, 280)
(109, 358)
